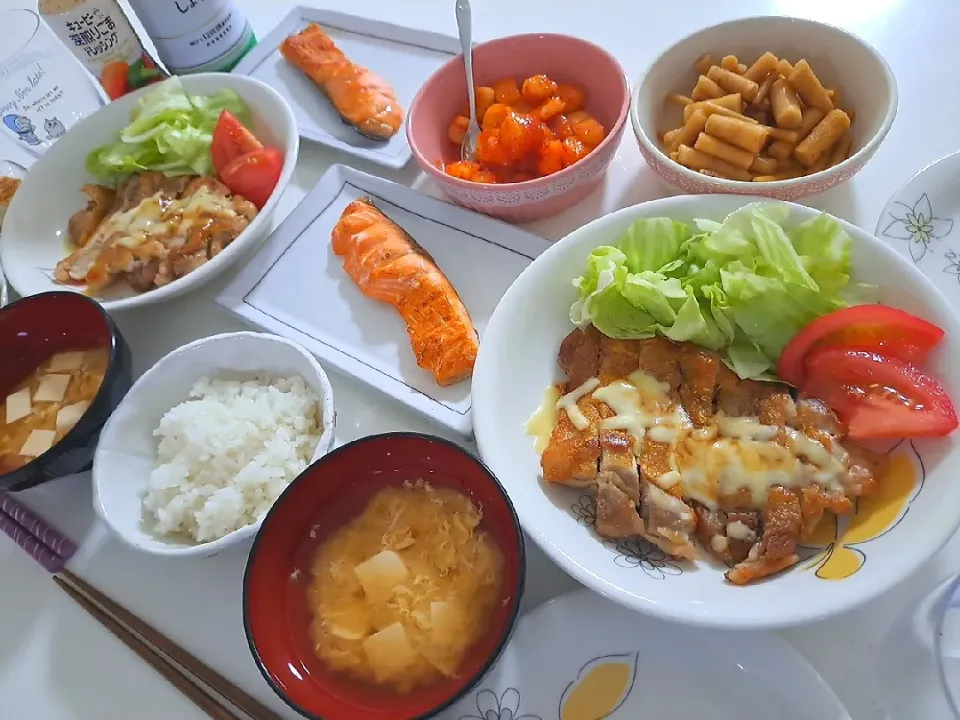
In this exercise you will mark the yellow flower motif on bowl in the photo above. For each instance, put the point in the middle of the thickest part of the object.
(601, 686)
(838, 539)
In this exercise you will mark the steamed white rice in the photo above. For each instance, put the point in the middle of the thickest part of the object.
(227, 453)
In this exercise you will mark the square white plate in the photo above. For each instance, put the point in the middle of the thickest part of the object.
(403, 57)
(296, 287)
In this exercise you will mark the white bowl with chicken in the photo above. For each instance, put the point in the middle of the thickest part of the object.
(155, 228)
(653, 473)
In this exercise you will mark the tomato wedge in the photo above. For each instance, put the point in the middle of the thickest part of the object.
(231, 139)
(254, 175)
(879, 397)
(869, 328)
(114, 79)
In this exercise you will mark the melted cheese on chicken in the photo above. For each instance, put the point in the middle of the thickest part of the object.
(643, 409)
(729, 456)
(159, 218)
(569, 403)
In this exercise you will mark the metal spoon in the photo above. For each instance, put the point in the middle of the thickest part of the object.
(468, 151)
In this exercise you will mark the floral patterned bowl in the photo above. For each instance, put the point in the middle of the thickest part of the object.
(840, 59)
(919, 222)
(565, 59)
(846, 563)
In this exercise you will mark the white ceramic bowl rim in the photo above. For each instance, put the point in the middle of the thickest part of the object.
(868, 148)
(328, 420)
(281, 116)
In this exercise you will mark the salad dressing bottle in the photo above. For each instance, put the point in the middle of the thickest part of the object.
(99, 34)
(194, 36)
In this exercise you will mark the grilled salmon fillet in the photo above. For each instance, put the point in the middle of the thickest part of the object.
(388, 265)
(363, 99)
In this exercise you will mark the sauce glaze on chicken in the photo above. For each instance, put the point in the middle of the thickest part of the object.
(150, 231)
(679, 450)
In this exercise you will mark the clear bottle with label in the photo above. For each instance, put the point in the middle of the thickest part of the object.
(195, 36)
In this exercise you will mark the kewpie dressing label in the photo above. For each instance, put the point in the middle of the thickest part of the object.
(100, 36)
(93, 29)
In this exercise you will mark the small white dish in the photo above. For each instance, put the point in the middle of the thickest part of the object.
(296, 287)
(33, 237)
(403, 57)
(854, 561)
(922, 222)
(127, 452)
(580, 657)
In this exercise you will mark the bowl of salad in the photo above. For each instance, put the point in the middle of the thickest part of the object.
(726, 412)
(154, 194)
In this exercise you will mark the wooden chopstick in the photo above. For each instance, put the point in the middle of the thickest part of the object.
(148, 655)
(209, 677)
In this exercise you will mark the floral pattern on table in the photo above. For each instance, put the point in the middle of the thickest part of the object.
(601, 686)
(917, 225)
(505, 706)
(838, 541)
(629, 552)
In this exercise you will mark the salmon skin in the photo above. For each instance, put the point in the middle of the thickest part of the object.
(388, 265)
(363, 99)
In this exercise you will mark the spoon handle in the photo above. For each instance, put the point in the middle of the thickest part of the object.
(465, 26)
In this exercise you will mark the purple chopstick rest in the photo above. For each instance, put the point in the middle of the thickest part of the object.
(36, 549)
(22, 524)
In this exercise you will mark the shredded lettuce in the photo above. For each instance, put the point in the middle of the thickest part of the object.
(169, 131)
(743, 287)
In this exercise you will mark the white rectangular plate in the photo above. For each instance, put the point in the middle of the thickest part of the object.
(403, 57)
(296, 287)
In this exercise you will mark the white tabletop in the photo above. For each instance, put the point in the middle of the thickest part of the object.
(57, 664)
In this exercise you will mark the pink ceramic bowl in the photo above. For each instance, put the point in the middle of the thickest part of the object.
(839, 58)
(564, 59)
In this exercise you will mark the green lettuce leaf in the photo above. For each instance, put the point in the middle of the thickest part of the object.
(743, 287)
(169, 132)
(651, 244)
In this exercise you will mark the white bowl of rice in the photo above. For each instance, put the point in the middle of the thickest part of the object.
(207, 440)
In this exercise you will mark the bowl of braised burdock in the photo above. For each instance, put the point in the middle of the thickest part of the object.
(773, 106)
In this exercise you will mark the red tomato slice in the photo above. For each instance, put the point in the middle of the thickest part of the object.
(879, 397)
(231, 139)
(871, 328)
(254, 175)
(114, 79)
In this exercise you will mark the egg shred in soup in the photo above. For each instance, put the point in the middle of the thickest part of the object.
(402, 592)
(45, 405)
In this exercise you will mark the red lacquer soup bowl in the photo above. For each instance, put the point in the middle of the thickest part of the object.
(322, 499)
(36, 327)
